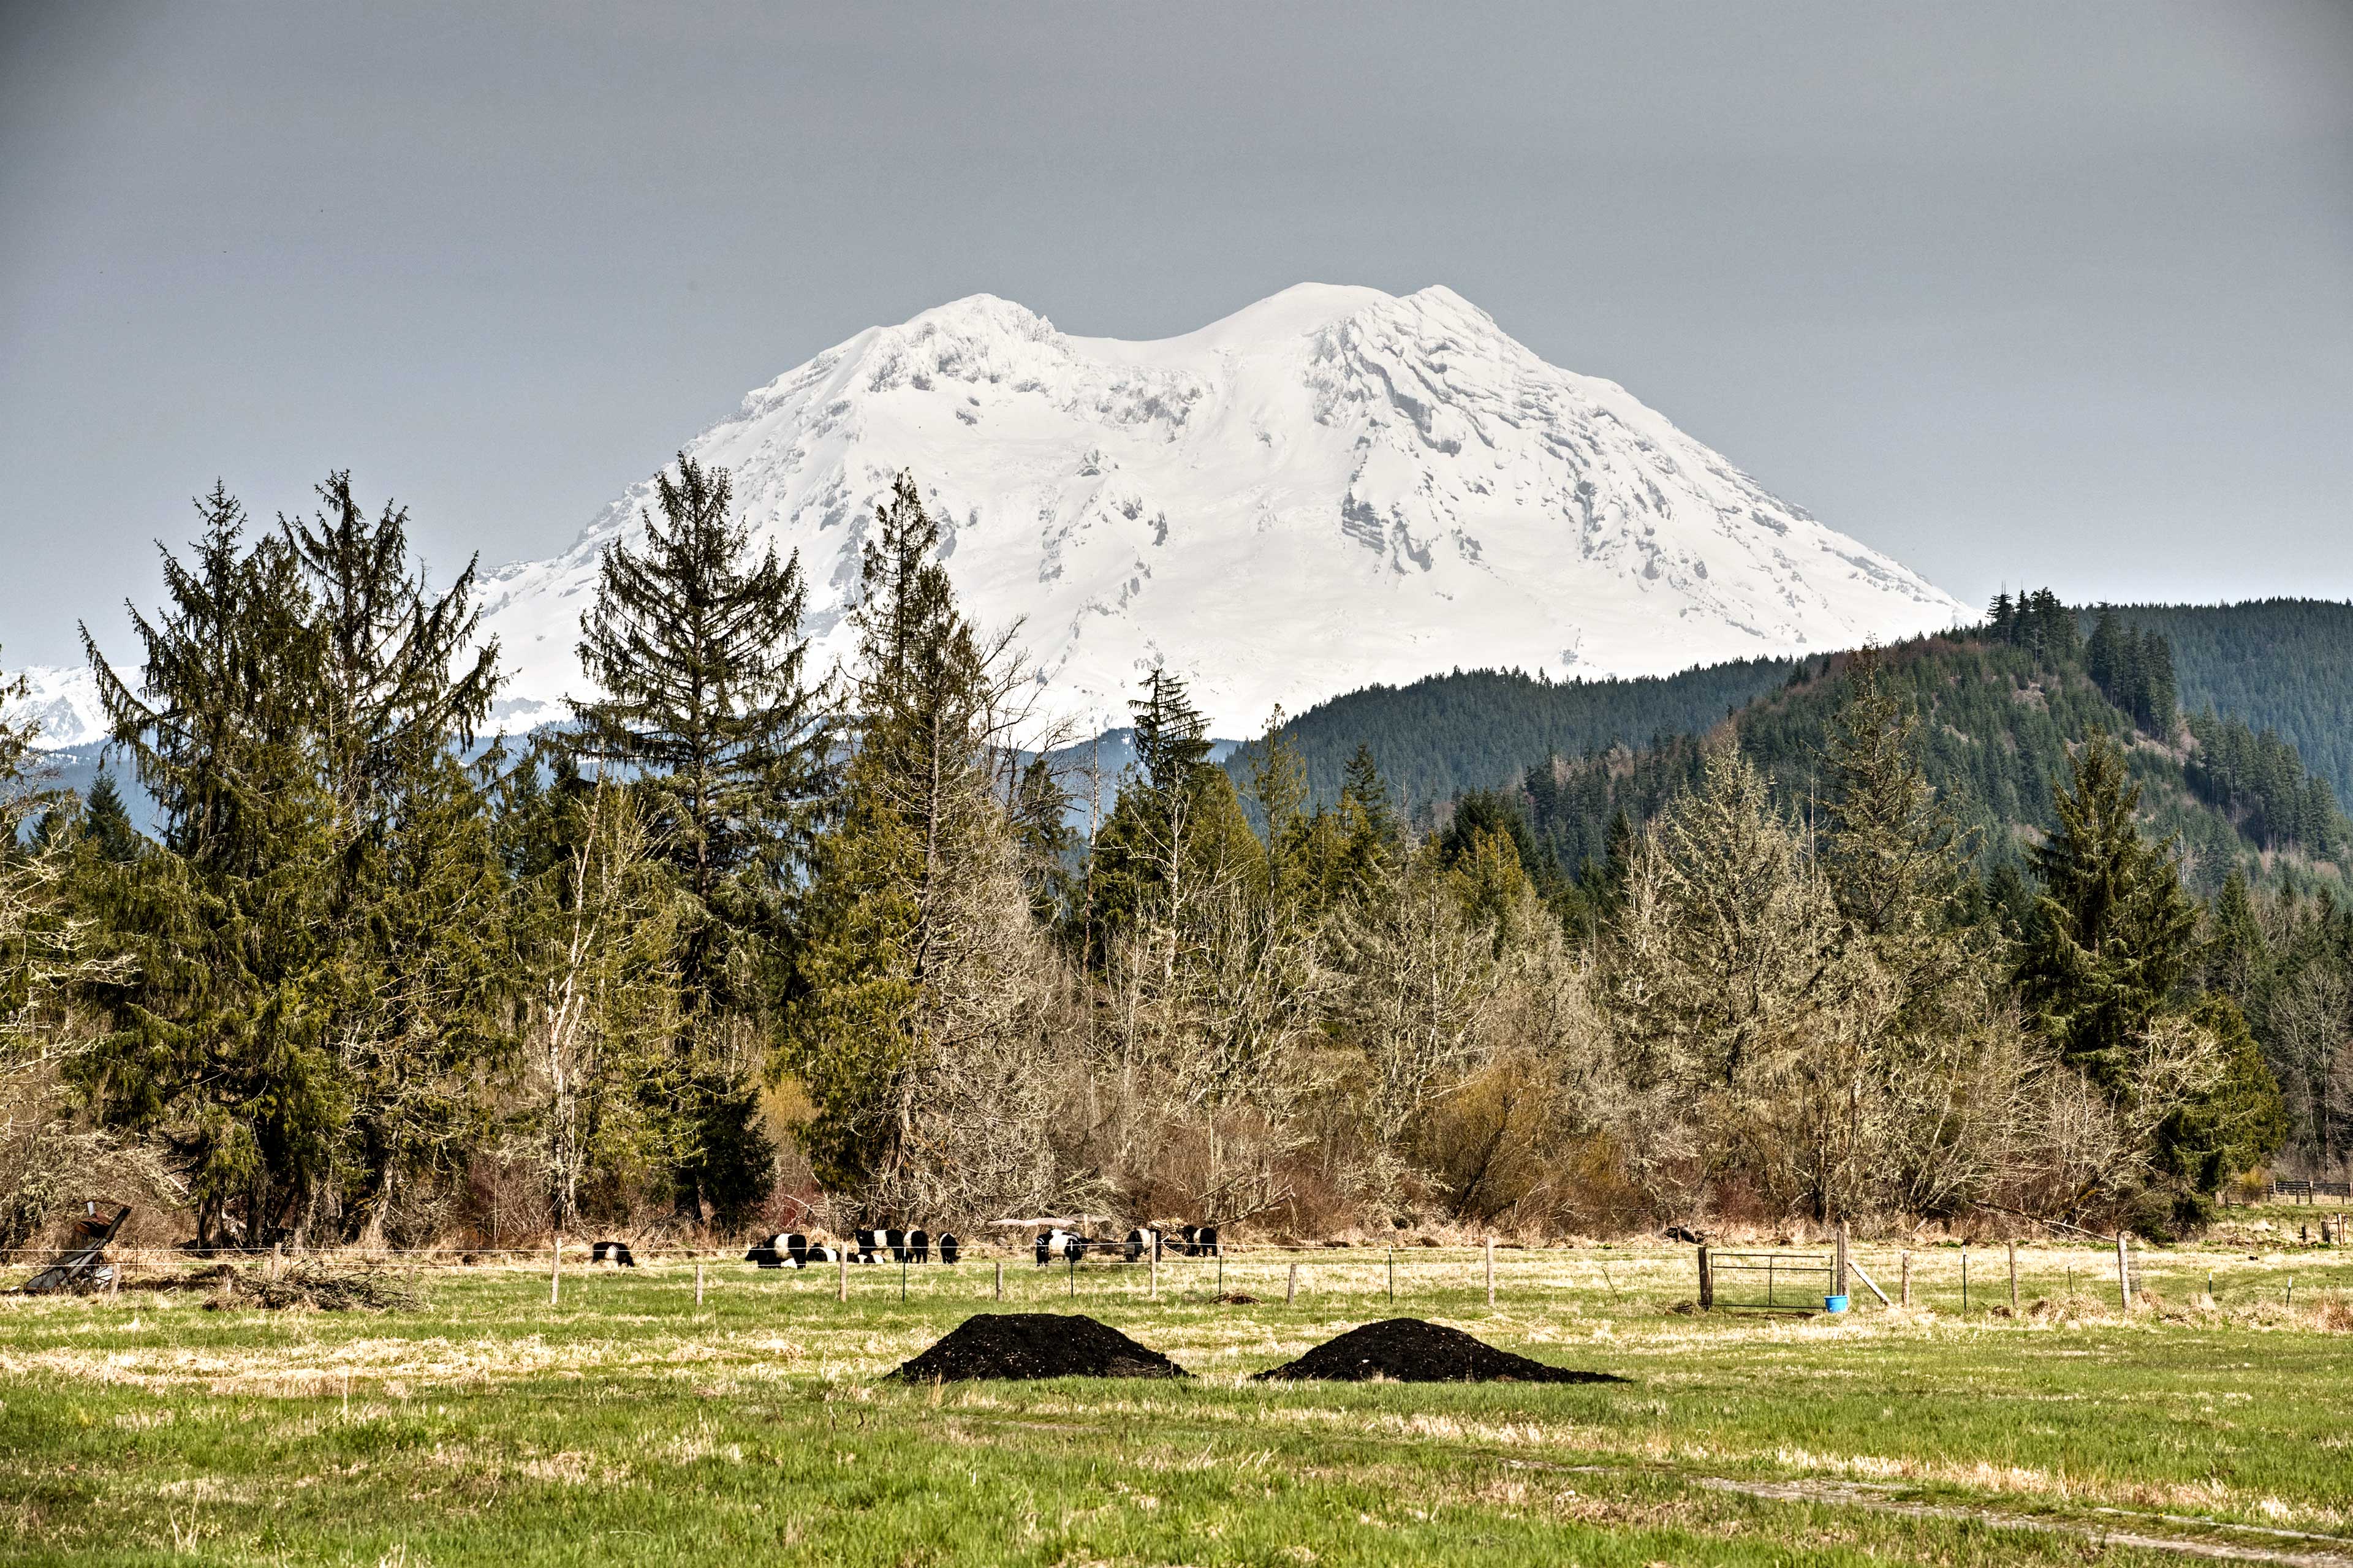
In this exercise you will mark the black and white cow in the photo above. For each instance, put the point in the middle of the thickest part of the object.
(785, 1249)
(611, 1254)
(1141, 1240)
(949, 1247)
(1194, 1240)
(1057, 1244)
(918, 1247)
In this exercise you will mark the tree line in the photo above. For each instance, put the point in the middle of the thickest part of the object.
(749, 943)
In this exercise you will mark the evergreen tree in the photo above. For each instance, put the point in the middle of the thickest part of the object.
(1176, 829)
(106, 823)
(2114, 936)
(919, 936)
(1893, 857)
(1040, 812)
(1371, 839)
(417, 987)
(220, 1043)
(696, 650)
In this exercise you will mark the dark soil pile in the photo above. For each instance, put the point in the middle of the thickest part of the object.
(1036, 1344)
(1406, 1349)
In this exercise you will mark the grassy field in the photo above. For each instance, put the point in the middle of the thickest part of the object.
(628, 1425)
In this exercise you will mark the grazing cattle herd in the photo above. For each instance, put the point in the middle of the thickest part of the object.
(1053, 1243)
(791, 1250)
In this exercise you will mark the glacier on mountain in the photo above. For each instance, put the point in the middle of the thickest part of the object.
(1332, 487)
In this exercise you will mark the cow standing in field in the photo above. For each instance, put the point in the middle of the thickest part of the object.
(1196, 1240)
(1058, 1243)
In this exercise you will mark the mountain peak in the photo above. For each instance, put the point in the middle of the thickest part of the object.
(1331, 487)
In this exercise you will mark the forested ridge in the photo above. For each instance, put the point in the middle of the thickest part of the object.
(2281, 665)
(2003, 715)
(1977, 923)
(1440, 736)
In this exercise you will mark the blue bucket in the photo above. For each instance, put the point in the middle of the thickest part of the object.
(1833, 1303)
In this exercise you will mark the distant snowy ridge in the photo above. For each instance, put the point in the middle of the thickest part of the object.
(1330, 489)
(63, 701)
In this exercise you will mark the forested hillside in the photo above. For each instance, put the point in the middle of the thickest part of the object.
(2001, 720)
(1439, 737)
(2253, 773)
(2283, 664)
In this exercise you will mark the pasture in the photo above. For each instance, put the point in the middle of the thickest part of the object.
(480, 1425)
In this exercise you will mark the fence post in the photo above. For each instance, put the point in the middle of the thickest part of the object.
(2013, 1277)
(1707, 1281)
(841, 1290)
(555, 1269)
(1290, 1290)
(276, 1258)
(1156, 1273)
(1392, 1273)
(1490, 1271)
(1838, 1283)
(1903, 1263)
(2124, 1274)
(1000, 1280)
(698, 1284)
(1964, 1278)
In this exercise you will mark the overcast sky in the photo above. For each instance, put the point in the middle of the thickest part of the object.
(2045, 293)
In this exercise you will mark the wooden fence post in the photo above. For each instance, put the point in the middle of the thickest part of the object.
(1707, 1281)
(1290, 1290)
(1838, 1266)
(2013, 1278)
(1903, 1263)
(1491, 1272)
(1155, 1274)
(555, 1269)
(2124, 1274)
(698, 1284)
(1000, 1280)
(841, 1288)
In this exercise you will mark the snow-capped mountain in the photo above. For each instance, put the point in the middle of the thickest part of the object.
(63, 701)
(1332, 487)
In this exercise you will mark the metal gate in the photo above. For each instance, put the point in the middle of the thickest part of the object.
(1767, 1279)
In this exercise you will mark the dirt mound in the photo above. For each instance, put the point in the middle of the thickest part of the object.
(1406, 1349)
(1036, 1344)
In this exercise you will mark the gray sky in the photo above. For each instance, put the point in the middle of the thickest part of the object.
(2048, 293)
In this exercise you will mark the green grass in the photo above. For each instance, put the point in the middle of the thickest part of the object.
(628, 1425)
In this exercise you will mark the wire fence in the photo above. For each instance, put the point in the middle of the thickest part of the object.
(1952, 1280)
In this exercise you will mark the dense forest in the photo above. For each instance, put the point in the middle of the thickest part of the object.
(2282, 667)
(1449, 733)
(2006, 706)
(1916, 934)
(2279, 664)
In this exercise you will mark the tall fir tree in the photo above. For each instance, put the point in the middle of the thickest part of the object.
(695, 646)
(2115, 936)
(418, 994)
(219, 1042)
(918, 916)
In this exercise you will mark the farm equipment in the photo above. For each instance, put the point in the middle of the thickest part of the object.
(84, 1267)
